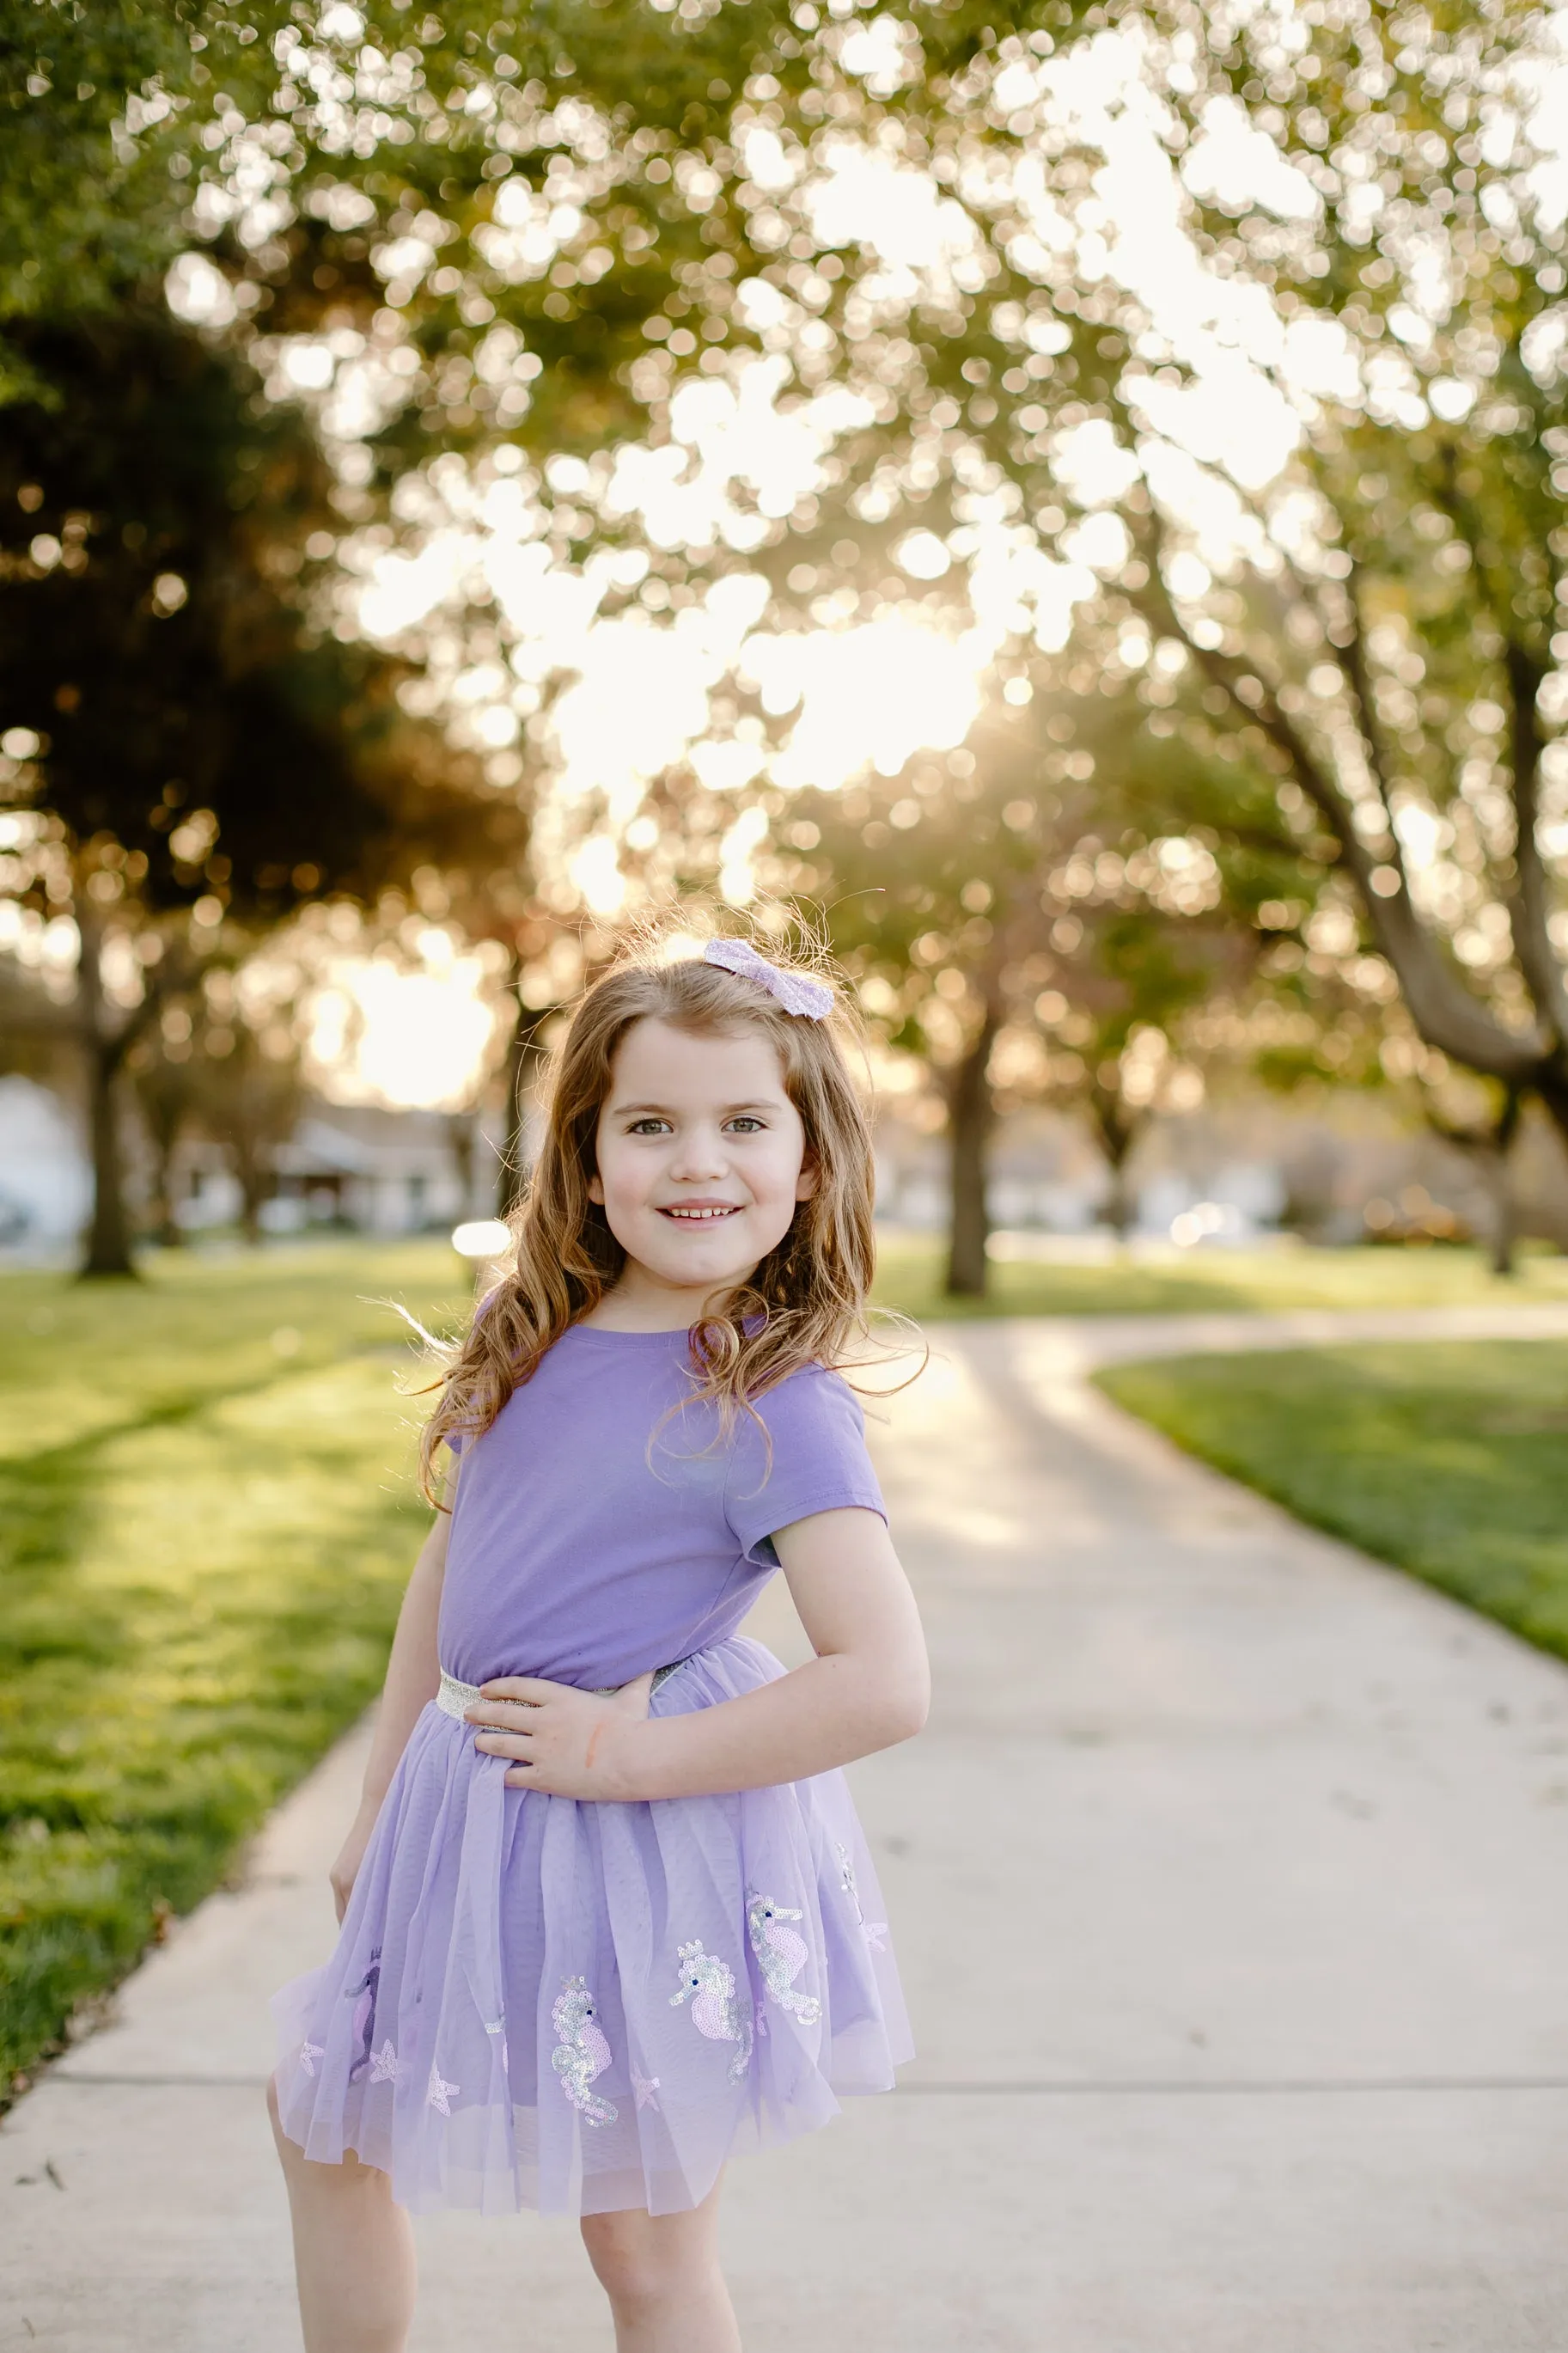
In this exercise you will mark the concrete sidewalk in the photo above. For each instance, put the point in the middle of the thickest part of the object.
(1229, 1885)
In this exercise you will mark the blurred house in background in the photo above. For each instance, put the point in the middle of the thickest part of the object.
(345, 1166)
(379, 1172)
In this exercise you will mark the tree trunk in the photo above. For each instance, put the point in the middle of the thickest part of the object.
(1505, 1221)
(108, 1233)
(248, 1139)
(1491, 1152)
(1116, 1135)
(252, 1179)
(970, 1118)
(1119, 1201)
(163, 1118)
(167, 1228)
(462, 1139)
(1500, 1164)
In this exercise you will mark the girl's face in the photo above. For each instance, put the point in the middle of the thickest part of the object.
(702, 1157)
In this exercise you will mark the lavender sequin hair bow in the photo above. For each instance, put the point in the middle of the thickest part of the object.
(794, 990)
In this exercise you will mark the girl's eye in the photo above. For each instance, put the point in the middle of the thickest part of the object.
(647, 1126)
(746, 1125)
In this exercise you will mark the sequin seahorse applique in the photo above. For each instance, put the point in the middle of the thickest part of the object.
(709, 1984)
(781, 1955)
(362, 1996)
(582, 2053)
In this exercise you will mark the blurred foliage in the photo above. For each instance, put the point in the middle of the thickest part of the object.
(1445, 1456)
(87, 204)
(188, 742)
(1359, 572)
(542, 229)
(195, 716)
(1052, 913)
(210, 1515)
(1395, 637)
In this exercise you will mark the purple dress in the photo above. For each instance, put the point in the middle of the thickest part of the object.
(581, 2008)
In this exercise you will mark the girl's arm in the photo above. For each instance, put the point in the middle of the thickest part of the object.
(867, 1687)
(413, 1677)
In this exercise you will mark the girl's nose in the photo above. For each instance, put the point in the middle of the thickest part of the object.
(698, 1156)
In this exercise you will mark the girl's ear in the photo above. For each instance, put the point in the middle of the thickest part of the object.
(597, 1188)
(805, 1183)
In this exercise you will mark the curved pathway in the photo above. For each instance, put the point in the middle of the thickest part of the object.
(1231, 1883)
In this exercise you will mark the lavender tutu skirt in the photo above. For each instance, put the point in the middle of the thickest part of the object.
(587, 2008)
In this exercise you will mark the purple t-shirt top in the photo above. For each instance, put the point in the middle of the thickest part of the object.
(579, 1553)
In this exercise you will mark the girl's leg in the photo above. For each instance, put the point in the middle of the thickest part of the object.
(661, 2275)
(353, 2252)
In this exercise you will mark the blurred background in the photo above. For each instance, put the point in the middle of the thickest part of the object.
(1068, 502)
(1072, 507)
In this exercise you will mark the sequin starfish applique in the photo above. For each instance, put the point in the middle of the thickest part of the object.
(440, 2095)
(645, 2087)
(309, 2055)
(386, 2066)
(874, 1931)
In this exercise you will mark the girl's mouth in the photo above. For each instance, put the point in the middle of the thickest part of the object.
(700, 1213)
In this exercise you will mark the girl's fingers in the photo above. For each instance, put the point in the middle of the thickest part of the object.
(531, 1689)
(497, 1715)
(516, 1744)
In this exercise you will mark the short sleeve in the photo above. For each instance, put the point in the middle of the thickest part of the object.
(819, 1460)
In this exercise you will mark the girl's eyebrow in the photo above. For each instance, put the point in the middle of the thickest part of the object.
(727, 1111)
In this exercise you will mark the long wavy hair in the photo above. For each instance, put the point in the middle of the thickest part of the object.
(805, 1303)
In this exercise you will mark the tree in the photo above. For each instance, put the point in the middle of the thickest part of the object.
(1044, 914)
(190, 747)
(1402, 652)
(92, 100)
(1372, 622)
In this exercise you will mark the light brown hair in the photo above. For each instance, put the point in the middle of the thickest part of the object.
(804, 1304)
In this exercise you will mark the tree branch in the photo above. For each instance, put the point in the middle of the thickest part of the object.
(1363, 701)
(1444, 1011)
(1528, 909)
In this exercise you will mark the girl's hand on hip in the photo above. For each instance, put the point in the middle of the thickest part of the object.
(564, 1742)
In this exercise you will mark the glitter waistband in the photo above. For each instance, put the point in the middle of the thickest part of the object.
(456, 1698)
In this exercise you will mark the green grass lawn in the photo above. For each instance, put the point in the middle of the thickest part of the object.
(910, 1278)
(207, 1513)
(1446, 1457)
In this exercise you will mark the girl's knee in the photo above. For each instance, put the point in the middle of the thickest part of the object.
(640, 2260)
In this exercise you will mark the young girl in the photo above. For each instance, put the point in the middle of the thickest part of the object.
(608, 1913)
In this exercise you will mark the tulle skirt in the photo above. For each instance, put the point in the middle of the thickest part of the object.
(536, 2003)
